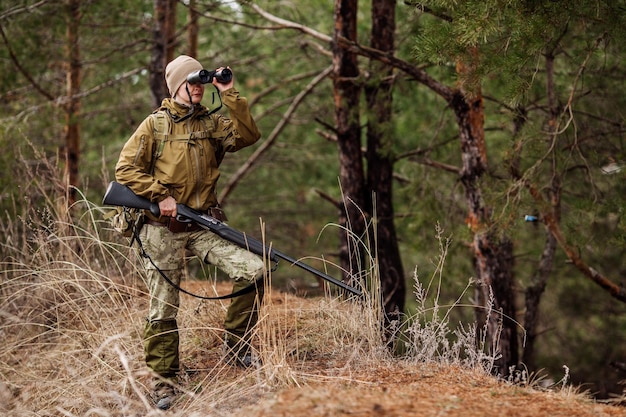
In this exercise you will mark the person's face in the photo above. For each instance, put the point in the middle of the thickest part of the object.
(196, 91)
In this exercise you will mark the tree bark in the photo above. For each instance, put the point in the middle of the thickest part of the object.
(346, 92)
(164, 36)
(539, 280)
(493, 254)
(380, 158)
(192, 30)
(533, 295)
(73, 103)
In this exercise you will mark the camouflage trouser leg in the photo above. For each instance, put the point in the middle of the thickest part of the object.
(161, 338)
(167, 250)
(244, 268)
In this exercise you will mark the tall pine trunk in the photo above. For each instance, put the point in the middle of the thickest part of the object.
(73, 104)
(164, 37)
(380, 158)
(539, 280)
(346, 90)
(492, 251)
(192, 29)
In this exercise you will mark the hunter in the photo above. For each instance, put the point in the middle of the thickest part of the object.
(174, 157)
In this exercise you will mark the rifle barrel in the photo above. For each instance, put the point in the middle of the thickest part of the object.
(254, 245)
(317, 272)
(121, 195)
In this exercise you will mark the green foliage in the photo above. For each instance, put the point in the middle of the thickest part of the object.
(512, 36)
(114, 42)
(509, 43)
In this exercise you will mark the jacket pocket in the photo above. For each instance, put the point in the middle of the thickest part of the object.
(172, 167)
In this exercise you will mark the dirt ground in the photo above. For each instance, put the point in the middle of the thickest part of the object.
(414, 392)
(401, 388)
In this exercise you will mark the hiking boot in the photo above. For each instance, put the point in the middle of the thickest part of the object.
(243, 361)
(237, 352)
(241, 358)
(164, 397)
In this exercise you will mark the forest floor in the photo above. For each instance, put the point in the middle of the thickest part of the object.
(308, 369)
(396, 390)
(325, 386)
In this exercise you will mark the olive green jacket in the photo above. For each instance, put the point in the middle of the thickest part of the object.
(174, 153)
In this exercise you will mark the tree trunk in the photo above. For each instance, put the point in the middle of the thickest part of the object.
(493, 255)
(533, 296)
(539, 280)
(192, 30)
(346, 92)
(380, 160)
(73, 104)
(164, 36)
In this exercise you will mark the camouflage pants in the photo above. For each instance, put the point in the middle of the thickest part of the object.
(167, 251)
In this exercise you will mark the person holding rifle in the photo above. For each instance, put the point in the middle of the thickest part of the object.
(174, 157)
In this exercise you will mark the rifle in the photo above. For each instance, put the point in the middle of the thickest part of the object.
(120, 195)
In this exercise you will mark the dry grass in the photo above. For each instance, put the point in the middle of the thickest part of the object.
(72, 308)
(315, 363)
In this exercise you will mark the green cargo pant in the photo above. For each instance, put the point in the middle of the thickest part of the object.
(167, 251)
(241, 316)
(160, 342)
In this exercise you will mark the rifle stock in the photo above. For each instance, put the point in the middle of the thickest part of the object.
(120, 195)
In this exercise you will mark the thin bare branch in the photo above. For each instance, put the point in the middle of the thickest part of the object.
(552, 224)
(247, 166)
(287, 24)
(329, 198)
(21, 69)
(385, 57)
(436, 164)
(330, 137)
(61, 100)
(282, 83)
(22, 9)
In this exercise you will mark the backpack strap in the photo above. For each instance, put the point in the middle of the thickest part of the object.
(162, 133)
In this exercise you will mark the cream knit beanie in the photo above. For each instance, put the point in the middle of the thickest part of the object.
(176, 72)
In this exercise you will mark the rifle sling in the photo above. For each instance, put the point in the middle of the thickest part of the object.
(242, 291)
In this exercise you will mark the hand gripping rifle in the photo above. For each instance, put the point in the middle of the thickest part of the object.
(120, 195)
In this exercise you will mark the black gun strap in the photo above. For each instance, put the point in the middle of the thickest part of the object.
(144, 254)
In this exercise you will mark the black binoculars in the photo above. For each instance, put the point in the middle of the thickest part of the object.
(203, 76)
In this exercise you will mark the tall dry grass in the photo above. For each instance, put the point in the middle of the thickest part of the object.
(430, 336)
(66, 291)
(72, 306)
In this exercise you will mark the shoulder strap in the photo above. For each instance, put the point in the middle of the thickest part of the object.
(161, 132)
(215, 138)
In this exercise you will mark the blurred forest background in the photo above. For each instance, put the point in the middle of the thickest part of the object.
(541, 82)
